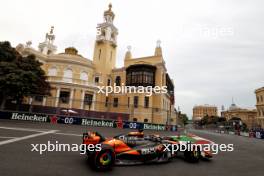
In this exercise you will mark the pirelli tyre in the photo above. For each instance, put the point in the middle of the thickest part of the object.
(102, 160)
(192, 156)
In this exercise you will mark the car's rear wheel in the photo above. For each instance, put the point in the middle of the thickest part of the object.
(103, 160)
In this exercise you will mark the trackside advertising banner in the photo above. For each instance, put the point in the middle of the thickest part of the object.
(83, 121)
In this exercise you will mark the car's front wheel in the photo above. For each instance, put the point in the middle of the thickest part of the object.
(192, 156)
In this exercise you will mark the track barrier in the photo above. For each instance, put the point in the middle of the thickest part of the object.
(86, 121)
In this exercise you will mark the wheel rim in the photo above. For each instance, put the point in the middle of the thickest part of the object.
(105, 159)
(195, 154)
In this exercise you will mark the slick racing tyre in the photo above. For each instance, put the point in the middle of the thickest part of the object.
(167, 156)
(192, 156)
(102, 160)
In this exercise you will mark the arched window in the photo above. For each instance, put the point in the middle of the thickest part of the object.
(84, 77)
(52, 71)
(67, 76)
(118, 81)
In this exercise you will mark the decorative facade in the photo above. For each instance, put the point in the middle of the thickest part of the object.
(260, 106)
(203, 110)
(247, 116)
(75, 79)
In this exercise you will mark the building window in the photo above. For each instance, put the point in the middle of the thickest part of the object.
(52, 71)
(128, 101)
(118, 81)
(67, 75)
(64, 97)
(140, 75)
(88, 99)
(146, 102)
(134, 119)
(38, 98)
(257, 99)
(84, 76)
(115, 102)
(261, 98)
(108, 82)
(145, 120)
(135, 101)
(106, 101)
(96, 79)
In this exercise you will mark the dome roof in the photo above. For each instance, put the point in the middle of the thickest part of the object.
(233, 107)
(71, 51)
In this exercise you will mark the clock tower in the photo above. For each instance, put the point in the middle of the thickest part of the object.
(105, 46)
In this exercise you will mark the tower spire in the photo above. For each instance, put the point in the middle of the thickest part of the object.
(109, 14)
(47, 47)
(106, 30)
(158, 50)
(128, 53)
(104, 57)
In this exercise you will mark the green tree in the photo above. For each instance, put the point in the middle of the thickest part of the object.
(184, 119)
(20, 76)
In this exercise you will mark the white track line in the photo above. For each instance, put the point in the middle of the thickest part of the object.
(8, 137)
(68, 134)
(26, 137)
(21, 129)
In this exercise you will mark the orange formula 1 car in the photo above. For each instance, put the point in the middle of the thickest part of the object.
(126, 149)
(135, 148)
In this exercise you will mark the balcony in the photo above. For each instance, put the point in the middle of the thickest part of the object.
(65, 80)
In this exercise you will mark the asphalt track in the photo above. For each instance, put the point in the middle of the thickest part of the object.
(16, 157)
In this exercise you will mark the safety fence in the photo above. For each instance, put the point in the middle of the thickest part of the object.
(85, 121)
(258, 133)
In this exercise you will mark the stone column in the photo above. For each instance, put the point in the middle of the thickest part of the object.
(94, 101)
(44, 101)
(30, 103)
(82, 98)
(30, 100)
(71, 97)
(57, 97)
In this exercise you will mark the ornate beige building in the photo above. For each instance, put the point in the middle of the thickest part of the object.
(75, 79)
(203, 110)
(260, 106)
(247, 116)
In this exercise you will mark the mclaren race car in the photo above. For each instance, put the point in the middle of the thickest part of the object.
(126, 149)
(131, 149)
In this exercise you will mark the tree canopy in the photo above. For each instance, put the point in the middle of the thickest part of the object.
(184, 118)
(20, 76)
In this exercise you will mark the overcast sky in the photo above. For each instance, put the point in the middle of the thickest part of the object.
(214, 49)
